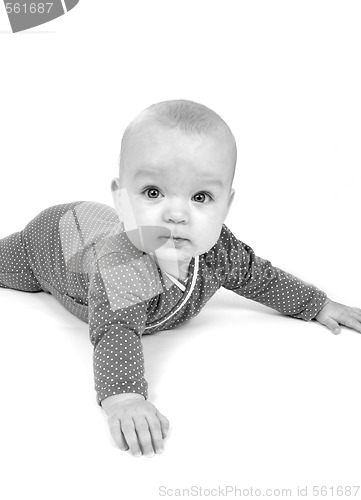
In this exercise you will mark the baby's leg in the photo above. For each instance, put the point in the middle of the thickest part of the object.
(15, 270)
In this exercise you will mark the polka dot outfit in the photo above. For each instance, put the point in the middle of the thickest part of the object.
(80, 253)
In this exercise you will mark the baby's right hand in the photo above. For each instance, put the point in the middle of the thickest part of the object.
(135, 424)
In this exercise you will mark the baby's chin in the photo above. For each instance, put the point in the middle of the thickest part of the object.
(185, 250)
(171, 250)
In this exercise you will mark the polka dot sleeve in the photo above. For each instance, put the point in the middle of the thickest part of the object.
(115, 329)
(255, 278)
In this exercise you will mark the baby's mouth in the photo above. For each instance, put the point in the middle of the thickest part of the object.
(177, 241)
(175, 238)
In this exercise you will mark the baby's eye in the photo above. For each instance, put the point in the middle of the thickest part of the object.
(152, 192)
(201, 196)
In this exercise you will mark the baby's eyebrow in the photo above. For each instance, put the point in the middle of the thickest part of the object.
(145, 172)
(203, 180)
(218, 182)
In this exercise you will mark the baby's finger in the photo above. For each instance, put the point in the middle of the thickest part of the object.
(164, 422)
(117, 434)
(131, 437)
(356, 311)
(144, 437)
(351, 322)
(332, 325)
(156, 434)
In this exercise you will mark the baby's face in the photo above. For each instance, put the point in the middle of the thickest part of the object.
(179, 184)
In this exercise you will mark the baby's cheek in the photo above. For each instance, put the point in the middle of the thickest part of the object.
(209, 238)
(146, 217)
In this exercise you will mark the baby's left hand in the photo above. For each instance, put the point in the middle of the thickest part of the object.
(334, 314)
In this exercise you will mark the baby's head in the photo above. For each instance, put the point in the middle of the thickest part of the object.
(177, 165)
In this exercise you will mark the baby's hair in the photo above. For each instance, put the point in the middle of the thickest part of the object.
(188, 116)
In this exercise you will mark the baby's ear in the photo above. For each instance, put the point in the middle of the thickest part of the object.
(230, 201)
(231, 198)
(114, 185)
(123, 205)
(116, 193)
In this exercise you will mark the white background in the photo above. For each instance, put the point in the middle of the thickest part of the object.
(255, 399)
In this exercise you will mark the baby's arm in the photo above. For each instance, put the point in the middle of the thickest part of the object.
(135, 424)
(257, 279)
(115, 333)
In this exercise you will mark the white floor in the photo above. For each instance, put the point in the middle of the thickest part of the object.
(255, 399)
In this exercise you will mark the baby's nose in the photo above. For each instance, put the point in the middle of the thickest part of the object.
(176, 219)
(176, 212)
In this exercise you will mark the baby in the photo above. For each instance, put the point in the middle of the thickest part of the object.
(153, 262)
